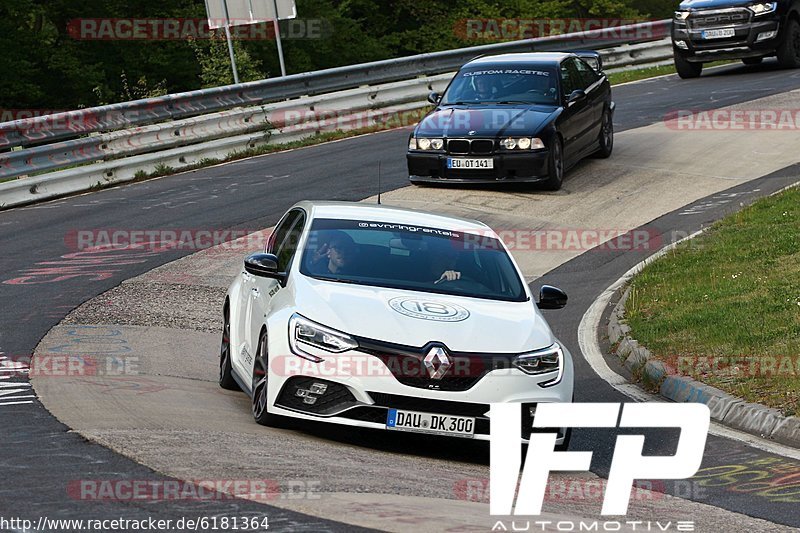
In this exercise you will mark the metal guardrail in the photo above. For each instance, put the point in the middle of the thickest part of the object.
(116, 143)
(61, 126)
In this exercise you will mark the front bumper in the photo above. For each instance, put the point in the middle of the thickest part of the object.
(512, 167)
(743, 44)
(360, 394)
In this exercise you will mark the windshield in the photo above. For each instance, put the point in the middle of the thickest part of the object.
(529, 85)
(410, 257)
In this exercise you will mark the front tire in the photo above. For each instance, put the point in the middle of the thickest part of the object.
(226, 380)
(606, 138)
(555, 166)
(686, 69)
(259, 380)
(789, 49)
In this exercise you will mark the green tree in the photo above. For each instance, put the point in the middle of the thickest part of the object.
(215, 63)
(46, 67)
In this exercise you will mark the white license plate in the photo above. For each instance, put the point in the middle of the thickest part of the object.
(454, 426)
(458, 162)
(717, 34)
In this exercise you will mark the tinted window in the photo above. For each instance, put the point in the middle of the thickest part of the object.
(587, 73)
(281, 230)
(532, 84)
(287, 237)
(570, 78)
(410, 257)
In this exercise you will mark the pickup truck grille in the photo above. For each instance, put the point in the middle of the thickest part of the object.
(718, 18)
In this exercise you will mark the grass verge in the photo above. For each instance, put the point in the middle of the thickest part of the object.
(651, 72)
(724, 308)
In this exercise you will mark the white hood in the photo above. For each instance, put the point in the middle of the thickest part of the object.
(470, 324)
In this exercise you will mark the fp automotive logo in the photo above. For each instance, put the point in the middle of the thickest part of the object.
(627, 463)
(428, 310)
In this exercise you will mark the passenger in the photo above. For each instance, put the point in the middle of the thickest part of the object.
(443, 262)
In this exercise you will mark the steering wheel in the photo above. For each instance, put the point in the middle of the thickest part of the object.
(465, 284)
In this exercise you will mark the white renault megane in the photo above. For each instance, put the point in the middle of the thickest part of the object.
(388, 318)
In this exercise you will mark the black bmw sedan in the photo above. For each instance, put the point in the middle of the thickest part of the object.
(515, 118)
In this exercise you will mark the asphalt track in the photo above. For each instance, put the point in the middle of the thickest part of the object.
(40, 456)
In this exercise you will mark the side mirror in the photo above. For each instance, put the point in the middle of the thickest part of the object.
(434, 97)
(576, 96)
(551, 298)
(264, 266)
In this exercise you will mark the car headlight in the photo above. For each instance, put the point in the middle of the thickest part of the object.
(524, 143)
(681, 15)
(425, 143)
(550, 359)
(763, 8)
(304, 333)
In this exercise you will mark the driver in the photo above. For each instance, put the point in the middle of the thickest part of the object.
(336, 255)
(483, 87)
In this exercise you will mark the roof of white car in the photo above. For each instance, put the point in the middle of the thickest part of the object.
(385, 213)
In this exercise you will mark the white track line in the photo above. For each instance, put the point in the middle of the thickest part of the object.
(17, 397)
(2, 404)
(9, 392)
(590, 347)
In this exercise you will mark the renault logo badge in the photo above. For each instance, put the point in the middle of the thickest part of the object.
(437, 362)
